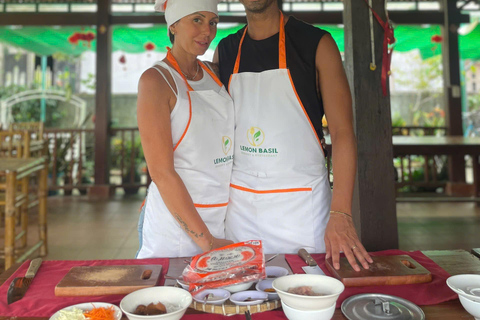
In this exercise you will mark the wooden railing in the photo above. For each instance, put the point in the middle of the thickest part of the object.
(71, 161)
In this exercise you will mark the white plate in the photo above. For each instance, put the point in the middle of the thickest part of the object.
(275, 272)
(219, 296)
(239, 286)
(240, 297)
(89, 306)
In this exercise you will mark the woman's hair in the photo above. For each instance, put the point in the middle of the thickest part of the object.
(171, 36)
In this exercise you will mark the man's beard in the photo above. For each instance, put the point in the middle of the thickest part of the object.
(258, 6)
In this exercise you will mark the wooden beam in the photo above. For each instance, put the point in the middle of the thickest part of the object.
(452, 86)
(103, 94)
(374, 206)
(138, 18)
(48, 19)
(313, 17)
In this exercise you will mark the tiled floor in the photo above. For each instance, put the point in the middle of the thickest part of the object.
(79, 228)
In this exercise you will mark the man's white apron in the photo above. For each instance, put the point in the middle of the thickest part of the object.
(280, 192)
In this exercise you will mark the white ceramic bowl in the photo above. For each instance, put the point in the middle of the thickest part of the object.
(467, 285)
(267, 284)
(239, 287)
(294, 314)
(219, 296)
(183, 284)
(472, 307)
(255, 296)
(175, 299)
(329, 287)
(275, 272)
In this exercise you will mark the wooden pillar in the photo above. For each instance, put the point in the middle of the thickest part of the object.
(452, 87)
(374, 205)
(103, 101)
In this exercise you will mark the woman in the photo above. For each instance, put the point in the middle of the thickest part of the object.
(186, 123)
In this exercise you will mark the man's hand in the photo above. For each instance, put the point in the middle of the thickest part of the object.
(340, 235)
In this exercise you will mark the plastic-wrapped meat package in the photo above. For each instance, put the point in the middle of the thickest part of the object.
(229, 265)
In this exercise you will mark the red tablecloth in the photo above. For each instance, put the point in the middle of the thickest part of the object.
(434, 292)
(40, 299)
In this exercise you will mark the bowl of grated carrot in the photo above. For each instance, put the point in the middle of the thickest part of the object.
(90, 311)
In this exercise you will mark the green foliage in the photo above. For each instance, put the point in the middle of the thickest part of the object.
(29, 111)
(474, 102)
(128, 148)
(90, 82)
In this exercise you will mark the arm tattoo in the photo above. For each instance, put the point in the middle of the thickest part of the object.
(186, 228)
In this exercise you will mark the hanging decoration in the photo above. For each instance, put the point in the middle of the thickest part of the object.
(373, 65)
(388, 43)
(123, 61)
(149, 47)
(85, 37)
(436, 40)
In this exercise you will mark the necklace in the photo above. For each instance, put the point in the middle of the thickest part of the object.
(196, 73)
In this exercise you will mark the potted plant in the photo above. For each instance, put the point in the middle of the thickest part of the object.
(131, 167)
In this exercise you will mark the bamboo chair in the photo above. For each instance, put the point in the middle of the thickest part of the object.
(16, 144)
(38, 146)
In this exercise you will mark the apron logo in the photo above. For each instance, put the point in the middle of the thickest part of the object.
(255, 136)
(226, 144)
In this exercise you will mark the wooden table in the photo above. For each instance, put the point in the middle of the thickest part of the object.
(13, 170)
(450, 146)
(453, 261)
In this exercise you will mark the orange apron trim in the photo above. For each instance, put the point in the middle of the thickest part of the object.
(270, 191)
(282, 49)
(188, 123)
(143, 204)
(213, 75)
(171, 59)
(215, 205)
(305, 112)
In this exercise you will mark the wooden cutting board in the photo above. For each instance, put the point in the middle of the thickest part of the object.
(106, 280)
(385, 270)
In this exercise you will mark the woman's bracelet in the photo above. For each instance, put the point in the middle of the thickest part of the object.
(345, 214)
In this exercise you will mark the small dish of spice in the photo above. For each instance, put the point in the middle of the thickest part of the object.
(266, 286)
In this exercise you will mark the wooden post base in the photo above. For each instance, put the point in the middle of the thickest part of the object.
(101, 192)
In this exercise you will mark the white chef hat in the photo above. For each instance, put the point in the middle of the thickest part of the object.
(177, 9)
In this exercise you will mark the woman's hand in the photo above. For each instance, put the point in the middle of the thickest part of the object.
(218, 243)
(340, 235)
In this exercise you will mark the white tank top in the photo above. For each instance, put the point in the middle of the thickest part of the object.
(180, 113)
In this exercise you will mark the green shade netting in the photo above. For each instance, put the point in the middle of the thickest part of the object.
(50, 40)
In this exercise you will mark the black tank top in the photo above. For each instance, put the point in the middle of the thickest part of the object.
(260, 55)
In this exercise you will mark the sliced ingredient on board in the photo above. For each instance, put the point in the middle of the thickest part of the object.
(304, 291)
(152, 309)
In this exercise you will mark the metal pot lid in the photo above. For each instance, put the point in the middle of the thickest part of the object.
(372, 306)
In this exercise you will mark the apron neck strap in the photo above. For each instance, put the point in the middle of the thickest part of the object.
(282, 54)
(174, 63)
(211, 73)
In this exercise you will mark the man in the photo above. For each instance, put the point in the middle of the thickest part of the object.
(283, 75)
